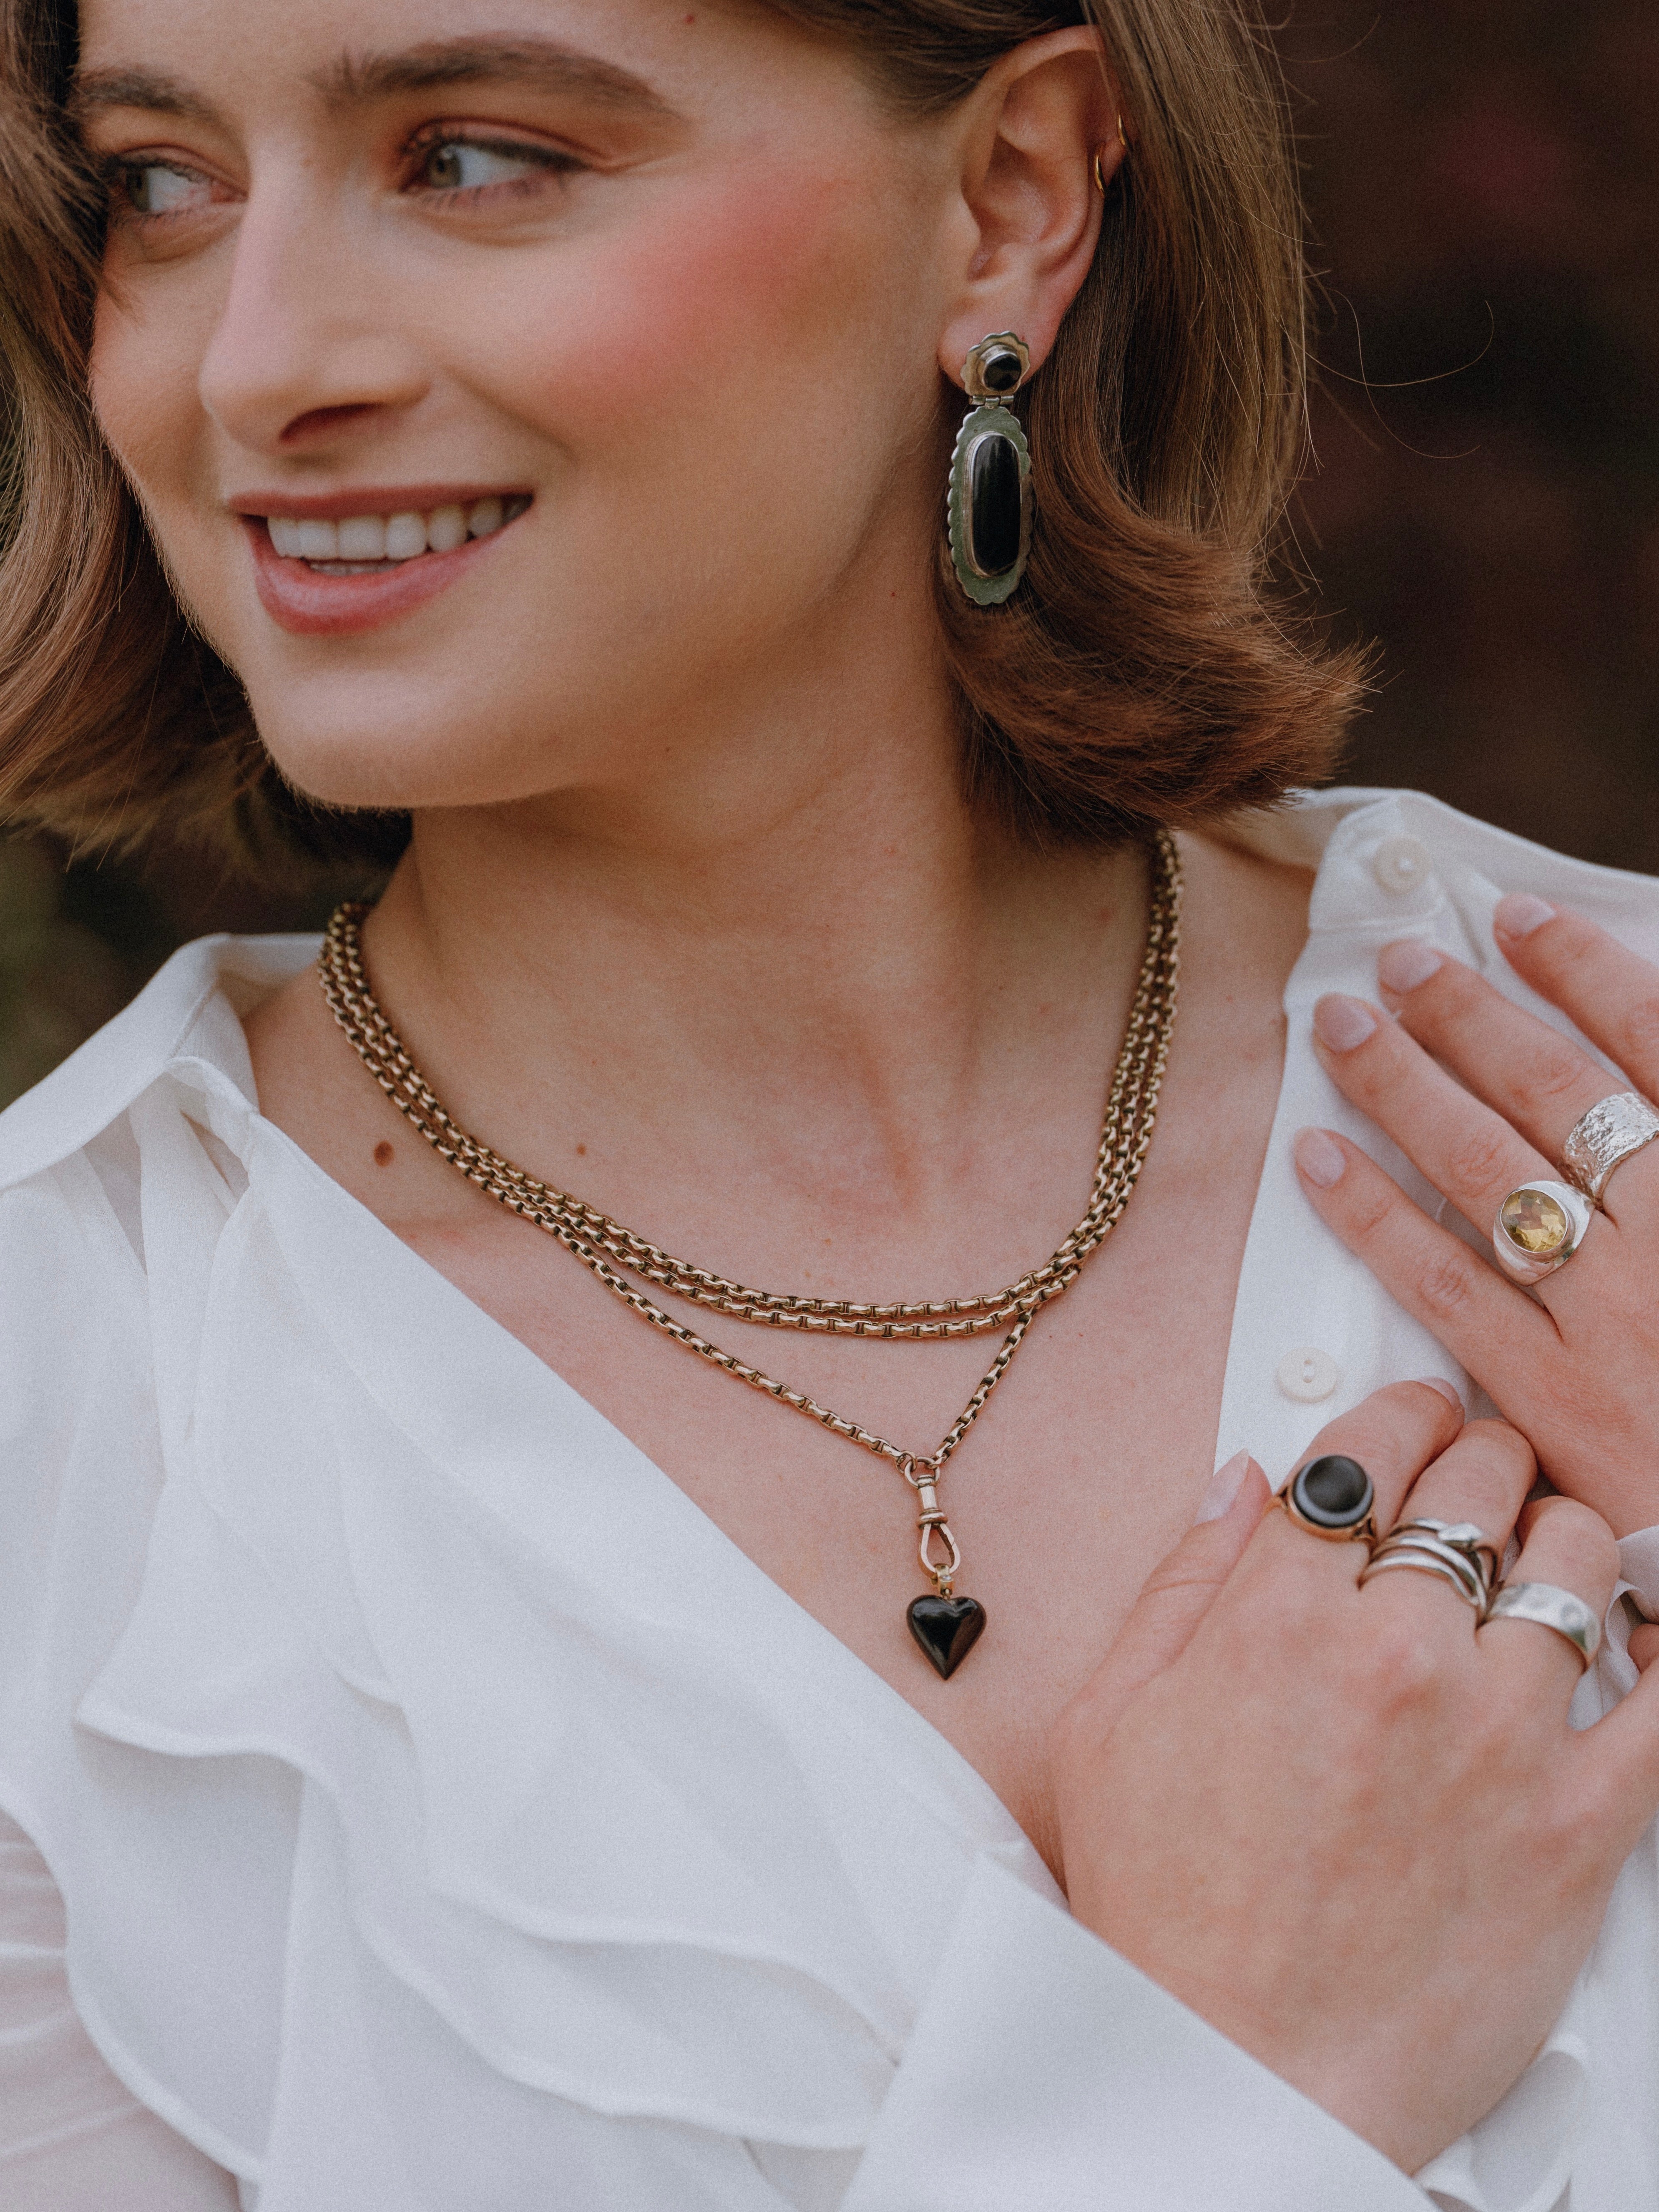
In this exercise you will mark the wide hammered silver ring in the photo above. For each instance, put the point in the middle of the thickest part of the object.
(1537, 1228)
(1614, 1128)
(1546, 1605)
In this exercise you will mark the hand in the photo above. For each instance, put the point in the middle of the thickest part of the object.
(1575, 1363)
(1353, 1832)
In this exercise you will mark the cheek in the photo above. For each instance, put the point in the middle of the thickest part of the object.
(744, 332)
(143, 381)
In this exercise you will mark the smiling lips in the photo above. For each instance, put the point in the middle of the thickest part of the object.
(320, 575)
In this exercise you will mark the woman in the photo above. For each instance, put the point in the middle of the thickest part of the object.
(486, 1755)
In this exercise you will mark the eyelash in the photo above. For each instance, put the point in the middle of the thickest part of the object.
(119, 170)
(546, 161)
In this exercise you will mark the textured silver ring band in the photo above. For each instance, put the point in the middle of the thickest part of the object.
(1614, 1128)
(1548, 1607)
(1537, 1228)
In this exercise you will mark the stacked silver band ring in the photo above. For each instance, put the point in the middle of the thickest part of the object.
(1614, 1128)
(1537, 1228)
(1456, 1550)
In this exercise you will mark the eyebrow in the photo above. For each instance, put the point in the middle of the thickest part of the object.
(95, 89)
(542, 62)
(356, 80)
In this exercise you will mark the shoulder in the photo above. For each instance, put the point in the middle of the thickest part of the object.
(75, 1191)
(1400, 862)
(187, 1014)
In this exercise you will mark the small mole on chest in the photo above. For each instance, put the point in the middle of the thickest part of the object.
(383, 1154)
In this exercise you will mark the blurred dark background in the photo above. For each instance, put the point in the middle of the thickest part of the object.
(1483, 185)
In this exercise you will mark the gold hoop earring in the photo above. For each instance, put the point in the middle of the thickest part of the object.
(1100, 151)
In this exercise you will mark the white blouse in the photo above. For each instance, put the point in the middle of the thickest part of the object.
(419, 1852)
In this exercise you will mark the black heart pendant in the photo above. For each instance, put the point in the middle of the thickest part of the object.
(947, 1629)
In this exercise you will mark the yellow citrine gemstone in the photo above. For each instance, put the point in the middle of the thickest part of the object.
(1535, 1221)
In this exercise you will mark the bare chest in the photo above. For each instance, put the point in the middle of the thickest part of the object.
(1085, 1468)
(1088, 1462)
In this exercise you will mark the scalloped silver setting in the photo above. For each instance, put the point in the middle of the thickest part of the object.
(989, 419)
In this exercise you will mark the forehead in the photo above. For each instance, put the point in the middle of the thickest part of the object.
(662, 56)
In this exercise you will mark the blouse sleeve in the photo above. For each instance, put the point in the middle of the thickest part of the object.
(1045, 2070)
(71, 2139)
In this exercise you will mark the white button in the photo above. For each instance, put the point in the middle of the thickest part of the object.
(1401, 864)
(1308, 1374)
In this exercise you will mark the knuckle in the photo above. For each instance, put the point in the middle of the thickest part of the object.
(1557, 1073)
(1483, 1158)
(1640, 1026)
(1447, 1283)
(1370, 1213)
(1502, 1444)
(1576, 1537)
(1400, 1671)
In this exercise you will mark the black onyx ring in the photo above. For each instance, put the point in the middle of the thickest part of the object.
(1333, 1498)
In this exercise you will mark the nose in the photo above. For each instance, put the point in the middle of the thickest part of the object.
(309, 346)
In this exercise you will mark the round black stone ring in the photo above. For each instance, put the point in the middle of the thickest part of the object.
(1333, 1498)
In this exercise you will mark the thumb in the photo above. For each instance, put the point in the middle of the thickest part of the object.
(1179, 1591)
(1625, 1745)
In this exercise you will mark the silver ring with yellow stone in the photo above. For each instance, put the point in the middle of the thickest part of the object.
(1537, 1228)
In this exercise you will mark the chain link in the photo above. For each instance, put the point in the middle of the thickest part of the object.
(607, 1247)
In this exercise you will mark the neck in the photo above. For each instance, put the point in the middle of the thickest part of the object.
(792, 945)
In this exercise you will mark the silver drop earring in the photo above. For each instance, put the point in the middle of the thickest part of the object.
(990, 499)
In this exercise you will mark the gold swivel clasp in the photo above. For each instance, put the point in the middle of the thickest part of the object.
(935, 1528)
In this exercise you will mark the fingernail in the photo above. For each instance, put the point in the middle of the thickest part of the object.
(1319, 1158)
(1341, 1024)
(1447, 1390)
(1520, 914)
(1224, 1485)
(1400, 968)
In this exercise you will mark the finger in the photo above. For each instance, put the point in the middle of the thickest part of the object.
(1537, 1080)
(1569, 1547)
(1503, 1337)
(1394, 1434)
(1614, 1770)
(1483, 1476)
(1463, 1147)
(1178, 1594)
(1612, 995)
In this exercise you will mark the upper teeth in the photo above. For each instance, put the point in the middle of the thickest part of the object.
(385, 536)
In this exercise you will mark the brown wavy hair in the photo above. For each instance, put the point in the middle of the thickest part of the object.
(1148, 669)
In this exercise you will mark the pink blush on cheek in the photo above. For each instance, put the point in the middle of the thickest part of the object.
(762, 270)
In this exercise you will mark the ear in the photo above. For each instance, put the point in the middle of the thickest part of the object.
(1030, 135)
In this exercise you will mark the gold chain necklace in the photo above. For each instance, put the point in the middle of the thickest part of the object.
(944, 1626)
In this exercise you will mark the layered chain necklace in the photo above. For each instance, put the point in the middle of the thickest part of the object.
(946, 1626)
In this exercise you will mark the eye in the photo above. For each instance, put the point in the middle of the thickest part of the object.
(161, 188)
(469, 164)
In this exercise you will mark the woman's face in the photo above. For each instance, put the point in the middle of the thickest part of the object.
(641, 295)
